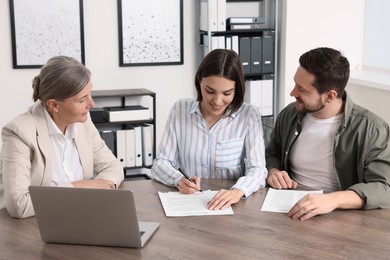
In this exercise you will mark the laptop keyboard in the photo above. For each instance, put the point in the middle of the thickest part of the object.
(141, 233)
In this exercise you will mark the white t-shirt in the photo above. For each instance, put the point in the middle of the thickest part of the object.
(311, 156)
(66, 161)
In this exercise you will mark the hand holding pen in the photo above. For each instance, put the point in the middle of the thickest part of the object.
(187, 188)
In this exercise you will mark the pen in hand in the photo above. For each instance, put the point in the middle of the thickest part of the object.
(188, 177)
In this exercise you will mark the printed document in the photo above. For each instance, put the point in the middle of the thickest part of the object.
(283, 200)
(176, 204)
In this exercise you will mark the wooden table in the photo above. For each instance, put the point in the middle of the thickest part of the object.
(248, 234)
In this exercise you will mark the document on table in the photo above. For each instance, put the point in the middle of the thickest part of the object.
(283, 200)
(176, 204)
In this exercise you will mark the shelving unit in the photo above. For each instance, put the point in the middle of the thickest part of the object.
(212, 25)
(262, 33)
(123, 98)
(214, 32)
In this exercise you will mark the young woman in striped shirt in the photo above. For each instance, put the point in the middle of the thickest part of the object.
(215, 135)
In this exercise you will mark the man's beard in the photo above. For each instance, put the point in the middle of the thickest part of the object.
(320, 105)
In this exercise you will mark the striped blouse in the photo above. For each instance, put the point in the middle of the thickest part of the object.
(232, 149)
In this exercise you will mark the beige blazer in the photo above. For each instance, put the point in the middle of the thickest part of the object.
(26, 159)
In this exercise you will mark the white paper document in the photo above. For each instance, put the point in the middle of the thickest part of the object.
(176, 204)
(283, 200)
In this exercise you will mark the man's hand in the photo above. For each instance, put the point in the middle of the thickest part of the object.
(312, 205)
(280, 180)
(316, 204)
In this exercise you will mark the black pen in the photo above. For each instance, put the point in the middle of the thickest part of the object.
(188, 177)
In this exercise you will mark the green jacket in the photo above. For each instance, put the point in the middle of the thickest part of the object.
(361, 151)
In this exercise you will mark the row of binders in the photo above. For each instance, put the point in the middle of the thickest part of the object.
(215, 16)
(256, 52)
(215, 10)
(133, 146)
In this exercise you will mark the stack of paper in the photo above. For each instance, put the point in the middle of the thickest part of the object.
(176, 204)
(283, 200)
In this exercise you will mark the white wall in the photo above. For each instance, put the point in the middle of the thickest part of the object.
(102, 58)
(307, 24)
(374, 99)
(304, 24)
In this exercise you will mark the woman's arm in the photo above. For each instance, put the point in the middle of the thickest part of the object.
(255, 170)
(105, 165)
(17, 153)
(163, 169)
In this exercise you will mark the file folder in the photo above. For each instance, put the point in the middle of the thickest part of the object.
(245, 20)
(221, 42)
(130, 147)
(147, 144)
(253, 92)
(213, 15)
(121, 146)
(236, 27)
(267, 97)
(268, 52)
(235, 44)
(256, 49)
(228, 42)
(244, 53)
(138, 145)
(260, 93)
(216, 41)
(127, 113)
(209, 10)
(109, 137)
(221, 20)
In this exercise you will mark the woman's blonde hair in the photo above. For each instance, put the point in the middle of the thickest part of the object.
(60, 78)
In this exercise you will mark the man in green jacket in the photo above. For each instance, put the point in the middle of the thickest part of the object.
(325, 141)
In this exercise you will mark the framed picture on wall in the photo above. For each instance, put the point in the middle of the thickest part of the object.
(42, 29)
(150, 32)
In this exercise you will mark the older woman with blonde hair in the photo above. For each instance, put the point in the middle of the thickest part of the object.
(55, 143)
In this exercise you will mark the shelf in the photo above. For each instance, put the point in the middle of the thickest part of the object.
(109, 129)
(243, 1)
(253, 32)
(135, 122)
(258, 76)
(122, 93)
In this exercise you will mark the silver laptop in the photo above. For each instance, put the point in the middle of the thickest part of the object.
(89, 216)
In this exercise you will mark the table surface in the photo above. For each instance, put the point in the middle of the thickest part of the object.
(248, 234)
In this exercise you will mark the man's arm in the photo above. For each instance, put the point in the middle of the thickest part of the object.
(316, 204)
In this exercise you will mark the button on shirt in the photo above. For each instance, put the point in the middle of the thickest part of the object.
(66, 162)
(232, 149)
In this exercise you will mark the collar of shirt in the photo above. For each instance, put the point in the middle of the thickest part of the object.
(195, 108)
(53, 129)
(65, 159)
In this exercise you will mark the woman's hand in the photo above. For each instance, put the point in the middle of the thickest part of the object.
(98, 184)
(224, 198)
(187, 187)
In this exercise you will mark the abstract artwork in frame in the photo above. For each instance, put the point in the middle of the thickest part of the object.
(42, 29)
(150, 32)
